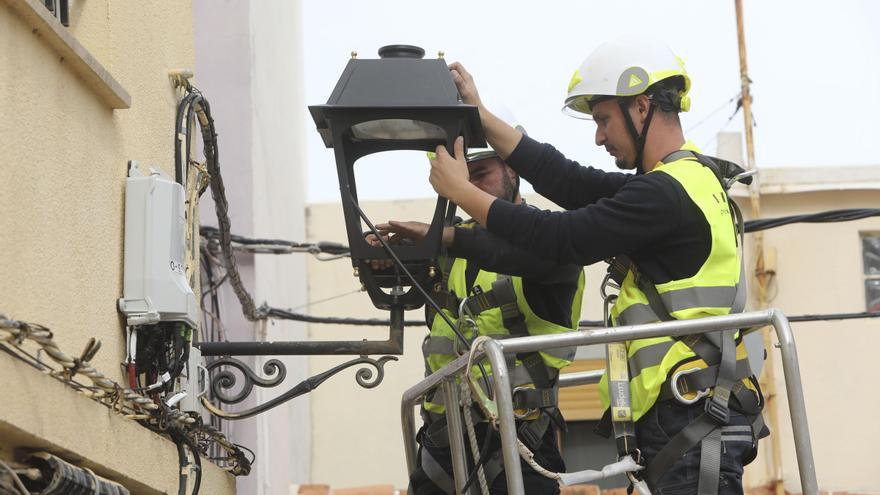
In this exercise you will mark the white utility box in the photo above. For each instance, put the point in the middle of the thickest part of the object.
(155, 285)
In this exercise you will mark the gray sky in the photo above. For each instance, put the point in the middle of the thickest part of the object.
(815, 67)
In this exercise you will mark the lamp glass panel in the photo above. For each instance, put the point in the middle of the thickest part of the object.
(397, 129)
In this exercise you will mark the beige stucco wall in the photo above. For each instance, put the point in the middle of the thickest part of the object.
(819, 270)
(63, 163)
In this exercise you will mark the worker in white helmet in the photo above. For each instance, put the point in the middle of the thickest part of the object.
(691, 402)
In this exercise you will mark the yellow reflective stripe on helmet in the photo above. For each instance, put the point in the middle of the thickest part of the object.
(575, 79)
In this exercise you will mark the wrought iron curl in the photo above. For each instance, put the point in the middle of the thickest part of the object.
(364, 375)
(226, 379)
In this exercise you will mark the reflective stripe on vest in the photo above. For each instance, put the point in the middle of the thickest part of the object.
(717, 288)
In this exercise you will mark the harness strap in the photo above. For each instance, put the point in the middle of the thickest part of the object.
(710, 463)
(545, 393)
(620, 410)
(445, 298)
(702, 379)
(494, 466)
(436, 474)
(535, 398)
(716, 415)
(531, 433)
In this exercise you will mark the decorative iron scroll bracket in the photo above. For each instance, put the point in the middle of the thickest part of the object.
(224, 380)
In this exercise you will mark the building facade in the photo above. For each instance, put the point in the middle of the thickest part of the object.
(78, 102)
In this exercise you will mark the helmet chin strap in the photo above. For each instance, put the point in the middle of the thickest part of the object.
(638, 139)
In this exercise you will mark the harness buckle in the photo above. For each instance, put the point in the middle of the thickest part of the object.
(717, 411)
(527, 434)
(528, 412)
(466, 319)
(677, 393)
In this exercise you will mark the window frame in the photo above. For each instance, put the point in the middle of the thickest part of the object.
(866, 277)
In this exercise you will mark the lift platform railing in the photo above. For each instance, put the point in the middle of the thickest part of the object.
(495, 350)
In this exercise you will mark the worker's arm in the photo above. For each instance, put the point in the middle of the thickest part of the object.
(485, 250)
(646, 211)
(494, 254)
(501, 136)
(563, 181)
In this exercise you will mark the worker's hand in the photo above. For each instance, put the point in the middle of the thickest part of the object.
(449, 175)
(417, 231)
(372, 240)
(465, 84)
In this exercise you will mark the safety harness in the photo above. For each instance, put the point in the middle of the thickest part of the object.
(535, 394)
(720, 383)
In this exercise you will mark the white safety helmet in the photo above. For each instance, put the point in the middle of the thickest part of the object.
(624, 67)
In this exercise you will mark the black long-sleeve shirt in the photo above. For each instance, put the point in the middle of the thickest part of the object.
(549, 287)
(649, 217)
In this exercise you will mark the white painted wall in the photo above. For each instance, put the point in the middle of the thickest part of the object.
(247, 65)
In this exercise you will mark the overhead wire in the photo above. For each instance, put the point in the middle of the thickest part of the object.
(749, 227)
(844, 215)
(714, 112)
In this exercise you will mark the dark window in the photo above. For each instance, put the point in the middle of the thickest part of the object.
(871, 258)
(59, 8)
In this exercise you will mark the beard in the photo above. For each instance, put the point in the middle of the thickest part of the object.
(509, 188)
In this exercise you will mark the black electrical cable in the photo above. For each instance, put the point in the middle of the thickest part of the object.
(181, 461)
(428, 298)
(834, 316)
(283, 314)
(221, 205)
(195, 452)
(425, 295)
(183, 442)
(846, 215)
(184, 110)
(323, 246)
(253, 458)
(399, 264)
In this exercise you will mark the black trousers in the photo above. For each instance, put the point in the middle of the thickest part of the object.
(546, 455)
(665, 420)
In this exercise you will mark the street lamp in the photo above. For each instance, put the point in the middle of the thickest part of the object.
(397, 102)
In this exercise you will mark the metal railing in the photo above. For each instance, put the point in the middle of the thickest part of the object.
(494, 351)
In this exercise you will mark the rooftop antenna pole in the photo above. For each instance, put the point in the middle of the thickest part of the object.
(768, 384)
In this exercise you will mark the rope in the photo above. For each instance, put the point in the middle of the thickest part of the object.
(529, 456)
(125, 401)
(466, 401)
(15, 479)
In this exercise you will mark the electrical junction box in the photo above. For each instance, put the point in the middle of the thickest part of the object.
(155, 286)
